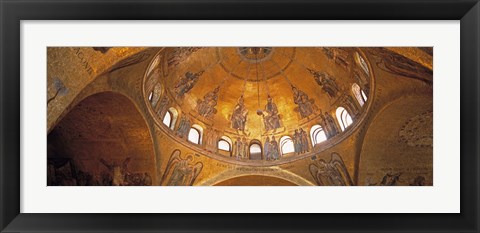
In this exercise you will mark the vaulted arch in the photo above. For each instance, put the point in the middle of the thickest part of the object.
(103, 129)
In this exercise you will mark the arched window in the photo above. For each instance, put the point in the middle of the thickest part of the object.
(317, 134)
(174, 116)
(195, 134)
(154, 64)
(286, 145)
(361, 61)
(344, 118)
(156, 94)
(167, 119)
(150, 96)
(364, 95)
(255, 151)
(359, 94)
(150, 84)
(225, 144)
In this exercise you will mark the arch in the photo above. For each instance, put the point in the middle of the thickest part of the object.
(167, 119)
(153, 65)
(359, 94)
(401, 156)
(256, 180)
(364, 95)
(286, 145)
(150, 84)
(317, 134)
(93, 136)
(361, 62)
(343, 117)
(174, 113)
(150, 96)
(255, 150)
(195, 134)
(225, 144)
(276, 172)
(155, 94)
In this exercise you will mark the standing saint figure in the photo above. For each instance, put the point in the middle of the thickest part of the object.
(271, 119)
(305, 105)
(211, 139)
(245, 148)
(183, 127)
(304, 140)
(331, 124)
(239, 116)
(326, 81)
(273, 149)
(206, 107)
(238, 148)
(297, 142)
(266, 148)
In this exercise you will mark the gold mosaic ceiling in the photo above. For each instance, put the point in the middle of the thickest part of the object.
(207, 84)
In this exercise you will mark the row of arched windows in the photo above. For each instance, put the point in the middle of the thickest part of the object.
(286, 145)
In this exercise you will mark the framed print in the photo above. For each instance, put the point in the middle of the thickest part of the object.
(290, 116)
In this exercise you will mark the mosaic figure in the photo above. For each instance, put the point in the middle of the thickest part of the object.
(186, 83)
(179, 54)
(181, 172)
(239, 148)
(61, 172)
(147, 179)
(297, 142)
(162, 106)
(211, 140)
(266, 147)
(155, 98)
(397, 64)
(329, 125)
(390, 179)
(326, 81)
(243, 153)
(304, 141)
(58, 88)
(350, 105)
(117, 172)
(273, 150)
(332, 173)
(183, 127)
(339, 55)
(206, 107)
(271, 118)
(305, 104)
(239, 116)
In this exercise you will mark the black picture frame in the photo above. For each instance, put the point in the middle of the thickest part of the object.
(13, 11)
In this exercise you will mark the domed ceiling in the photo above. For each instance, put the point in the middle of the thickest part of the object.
(254, 92)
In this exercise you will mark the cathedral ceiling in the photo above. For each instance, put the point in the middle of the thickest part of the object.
(257, 92)
(239, 92)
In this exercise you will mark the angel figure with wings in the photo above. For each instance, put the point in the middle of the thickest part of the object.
(181, 172)
(332, 173)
